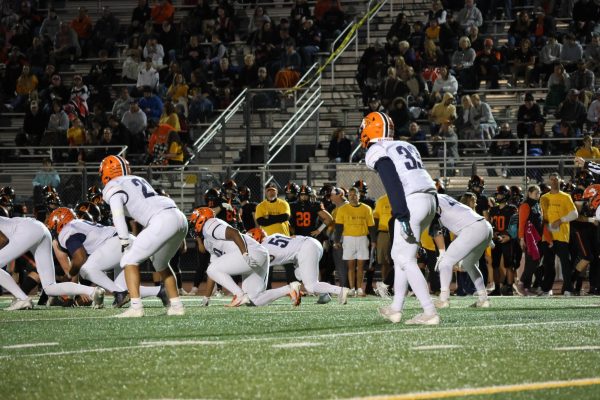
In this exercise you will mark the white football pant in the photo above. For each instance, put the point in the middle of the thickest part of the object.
(406, 271)
(307, 269)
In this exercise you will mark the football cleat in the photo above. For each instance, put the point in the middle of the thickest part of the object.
(20, 305)
(424, 319)
(481, 304)
(382, 290)
(441, 303)
(131, 313)
(239, 301)
(343, 296)
(204, 301)
(175, 310)
(324, 298)
(295, 293)
(393, 316)
(121, 298)
(98, 297)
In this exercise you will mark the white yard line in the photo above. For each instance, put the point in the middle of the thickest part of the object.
(486, 390)
(180, 342)
(26, 345)
(308, 337)
(576, 348)
(437, 347)
(296, 345)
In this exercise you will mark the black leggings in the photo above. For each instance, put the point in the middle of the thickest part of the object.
(560, 249)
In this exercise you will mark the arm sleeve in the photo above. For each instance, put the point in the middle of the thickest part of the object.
(373, 233)
(393, 186)
(571, 216)
(262, 221)
(116, 207)
(339, 230)
(279, 218)
(523, 216)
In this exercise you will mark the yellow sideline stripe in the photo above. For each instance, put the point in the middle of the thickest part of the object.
(445, 394)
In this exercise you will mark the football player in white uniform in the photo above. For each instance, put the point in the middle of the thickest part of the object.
(412, 195)
(20, 235)
(473, 235)
(92, 249)
(303, 251)
(236, 254)
(164, 225)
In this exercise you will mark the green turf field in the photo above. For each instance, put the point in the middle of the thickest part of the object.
(312, 352)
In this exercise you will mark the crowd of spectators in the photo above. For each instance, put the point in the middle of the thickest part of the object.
(164, 66)
(436, 69)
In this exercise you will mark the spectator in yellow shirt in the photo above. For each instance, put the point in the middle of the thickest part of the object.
(587, 151)
(382, 215)
(354, 222)
(558, 210)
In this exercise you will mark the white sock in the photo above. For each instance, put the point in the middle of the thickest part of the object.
(176, 302)
(418, 284)
(100, 279)
(269, 296)
(400, 288)
(136, 303)
(445, 277)
(444, 295)
(7, 282)
(477, 279)
(68, 289)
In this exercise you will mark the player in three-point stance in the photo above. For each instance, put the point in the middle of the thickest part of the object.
(473, 235)
(303, 251)
(20, 235)
(164, 225)
(237, 254)
(412, 195)
(93, 249)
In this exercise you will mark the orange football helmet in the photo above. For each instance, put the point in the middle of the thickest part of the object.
(58, 218)
(112, 167)
(197, 219)
(375, 126)
(592, 194)
(257, 234)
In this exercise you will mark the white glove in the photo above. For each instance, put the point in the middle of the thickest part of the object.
(251, 263)
(125, 244)
(227, 206)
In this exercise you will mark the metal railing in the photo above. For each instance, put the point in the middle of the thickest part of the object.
(218, 125)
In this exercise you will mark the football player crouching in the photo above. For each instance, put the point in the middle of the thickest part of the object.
(304, 252)
(235, 254)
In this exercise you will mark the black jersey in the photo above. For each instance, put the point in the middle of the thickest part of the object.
(304, 217)
(500, 218)
(230, 216)
(482, 204)
(246, 213)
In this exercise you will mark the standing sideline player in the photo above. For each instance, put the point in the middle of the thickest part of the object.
(19, 235)
(303, 251)
(412, 195)
(473, 235)
(164, 225)
(92, 249)
(237, 254)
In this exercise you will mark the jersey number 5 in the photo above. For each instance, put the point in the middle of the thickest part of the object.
(412, 162)
(279, 241)
(147, 190)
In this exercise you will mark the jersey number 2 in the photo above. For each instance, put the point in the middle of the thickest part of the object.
(412, 162)
(147, 190)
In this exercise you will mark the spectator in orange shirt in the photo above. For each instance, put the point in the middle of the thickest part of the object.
(159, 136)
(82, 25)
(162, 11)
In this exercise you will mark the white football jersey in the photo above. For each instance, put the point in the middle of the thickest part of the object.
(213, 233)
(89, 234)
(141, 202)
(454, 215)
(283, 249)
(407, 160)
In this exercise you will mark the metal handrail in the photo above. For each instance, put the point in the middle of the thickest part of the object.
(217, 124)
(290, 122)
